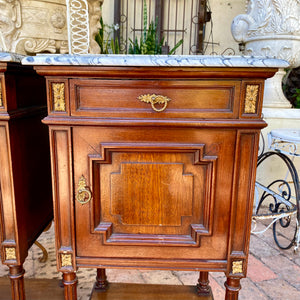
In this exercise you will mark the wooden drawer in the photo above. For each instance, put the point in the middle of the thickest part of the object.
(130, 98)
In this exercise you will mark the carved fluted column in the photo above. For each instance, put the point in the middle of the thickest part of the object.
(271, 28)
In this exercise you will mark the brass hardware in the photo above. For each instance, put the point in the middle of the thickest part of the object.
(59, 102)
(251, 99)
(83, 194)
(237, 267)
(66, 260)
(155, 99)
(10, 253)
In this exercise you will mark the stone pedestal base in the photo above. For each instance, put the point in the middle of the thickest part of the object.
(273, 96)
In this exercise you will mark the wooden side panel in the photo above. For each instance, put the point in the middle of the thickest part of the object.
(32, 178)
(244, 184)
(7, 209)
(26, 203)
(61, 156)
(2, 93)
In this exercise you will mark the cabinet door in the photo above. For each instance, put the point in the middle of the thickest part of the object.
(155, 192)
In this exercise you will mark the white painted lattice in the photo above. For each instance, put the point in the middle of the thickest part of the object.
(78, 26)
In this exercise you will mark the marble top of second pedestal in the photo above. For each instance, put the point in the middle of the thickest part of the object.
(154, 60)
(10, 57)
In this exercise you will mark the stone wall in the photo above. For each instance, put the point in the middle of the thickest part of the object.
(223, 12)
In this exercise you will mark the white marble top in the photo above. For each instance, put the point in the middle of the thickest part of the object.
(154, 60)
(10, 57)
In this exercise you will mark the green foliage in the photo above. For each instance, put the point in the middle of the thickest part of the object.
(148, 43)
(296, 98)
(107, 44)
(175, 47)
(291, 86)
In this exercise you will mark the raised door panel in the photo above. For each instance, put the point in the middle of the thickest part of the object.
(152, 194)
(158, 192)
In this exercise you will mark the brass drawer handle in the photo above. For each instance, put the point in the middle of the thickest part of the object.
(155, 99)
(83, 194)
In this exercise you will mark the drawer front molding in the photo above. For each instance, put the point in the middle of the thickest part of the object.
(170, 98)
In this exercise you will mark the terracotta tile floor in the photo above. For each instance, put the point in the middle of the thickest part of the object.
(272, 273)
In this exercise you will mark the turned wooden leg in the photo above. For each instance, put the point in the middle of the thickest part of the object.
(203, 288)
(101, 282)
(16, 275)
(232, 288)
(70, 285)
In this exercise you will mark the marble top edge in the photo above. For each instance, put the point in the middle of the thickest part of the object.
(154, 60)
(10, 57)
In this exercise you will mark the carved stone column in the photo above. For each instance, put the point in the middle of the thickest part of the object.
(33, 26)
(271, 28)
(53, 26)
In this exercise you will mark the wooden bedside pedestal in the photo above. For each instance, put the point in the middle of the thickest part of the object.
(25, 177)
(153, 168)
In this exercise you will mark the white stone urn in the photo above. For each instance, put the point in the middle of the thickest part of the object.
(271, 28)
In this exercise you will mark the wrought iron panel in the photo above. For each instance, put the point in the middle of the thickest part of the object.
(176, 20)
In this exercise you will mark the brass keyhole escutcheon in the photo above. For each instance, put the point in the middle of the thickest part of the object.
(83, 194)
(155, 100)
